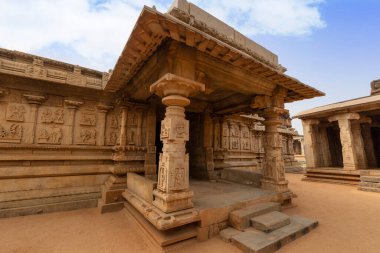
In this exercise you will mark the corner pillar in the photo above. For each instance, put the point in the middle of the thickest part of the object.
(173, 193)
(310, 142)
(274, 169)
(350, 160)
(34, 102)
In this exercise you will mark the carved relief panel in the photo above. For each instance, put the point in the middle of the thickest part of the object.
(87, 137)
(16, 112)
(50, 135)
(234, 136)
(113, 129)
(52, 116)
(87, 119)
(11, 133)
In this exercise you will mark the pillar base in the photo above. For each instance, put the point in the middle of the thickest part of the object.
(278, 186)
(171, 202)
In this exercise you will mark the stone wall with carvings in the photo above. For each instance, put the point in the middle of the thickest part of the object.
(238, 142)
(57, 150)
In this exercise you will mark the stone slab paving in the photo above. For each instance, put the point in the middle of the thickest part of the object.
(227, 233)
(270, 221)
(240, 219)
(255, 241)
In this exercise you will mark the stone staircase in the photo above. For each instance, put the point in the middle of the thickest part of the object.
(369, 183)
(262, 228)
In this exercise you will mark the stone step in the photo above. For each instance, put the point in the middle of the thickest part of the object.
(255, 241)
(240, 219)
(270, 221)
(369, 189)
(372, 179)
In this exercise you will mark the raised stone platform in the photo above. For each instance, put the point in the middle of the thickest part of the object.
(333, 175)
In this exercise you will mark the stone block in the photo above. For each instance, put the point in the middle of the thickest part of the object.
(370, 179)
(141, 186)
(270, 221)
(202, 233)
(256, 241)
(227, 233)
(111, 207)
(242, 176)
(111, 196)
(240, 219)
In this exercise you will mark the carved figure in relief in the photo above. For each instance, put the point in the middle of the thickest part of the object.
(245, 144)
(88, 119)
(88, 136)
(113, 121)
(50, 136)
(49, 116)
(16, 113)
(132, 137)
(112, 138)
(14, 133)
(164, 131)
(180, 130)
(162, 176)
(179, 177)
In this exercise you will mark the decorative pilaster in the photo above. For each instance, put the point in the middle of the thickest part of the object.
(350, 161)
(173, 193)
(274, 169)
(34, 101)
(150, 156)
(310, 139)
(72, 106)
(102, 114)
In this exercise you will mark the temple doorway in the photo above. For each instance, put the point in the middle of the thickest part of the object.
(335, 146)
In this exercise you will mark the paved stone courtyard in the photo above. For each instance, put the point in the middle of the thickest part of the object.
(348, 223)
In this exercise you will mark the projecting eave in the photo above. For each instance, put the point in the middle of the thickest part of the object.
(353, 105)
(153, 27)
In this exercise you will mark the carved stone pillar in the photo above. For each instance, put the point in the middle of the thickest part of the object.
(310, 139)
(173, 193)
(102, 114)
(350, 161)
(369, 148)
(324, 144)
(34, 102)
(274, 169)
(72, 106)
(359, 145)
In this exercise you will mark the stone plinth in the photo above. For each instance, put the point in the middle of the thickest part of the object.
(173, 193)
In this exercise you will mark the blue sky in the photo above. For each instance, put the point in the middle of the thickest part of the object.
(332, 45)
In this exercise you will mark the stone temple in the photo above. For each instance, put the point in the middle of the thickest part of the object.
(342, 141)
(188, 132)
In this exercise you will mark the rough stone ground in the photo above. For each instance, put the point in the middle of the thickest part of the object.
(349, 222)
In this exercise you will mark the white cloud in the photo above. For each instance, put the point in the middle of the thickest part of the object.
(275, 17)
(96, 30)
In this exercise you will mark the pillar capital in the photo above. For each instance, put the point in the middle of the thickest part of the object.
(173, 85)
(73, 103)
(104, 108)
(345, 116)
(34, 99)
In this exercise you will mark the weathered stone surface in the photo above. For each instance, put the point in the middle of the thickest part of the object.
(270, 221)
(255, 241)
(240, 219)
(227, 233)
(141, 186)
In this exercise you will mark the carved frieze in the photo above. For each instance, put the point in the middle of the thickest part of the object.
(16, 112)
(13, 134)
(50, 116)
(87, 137)
(88, 119)
(50, 135)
